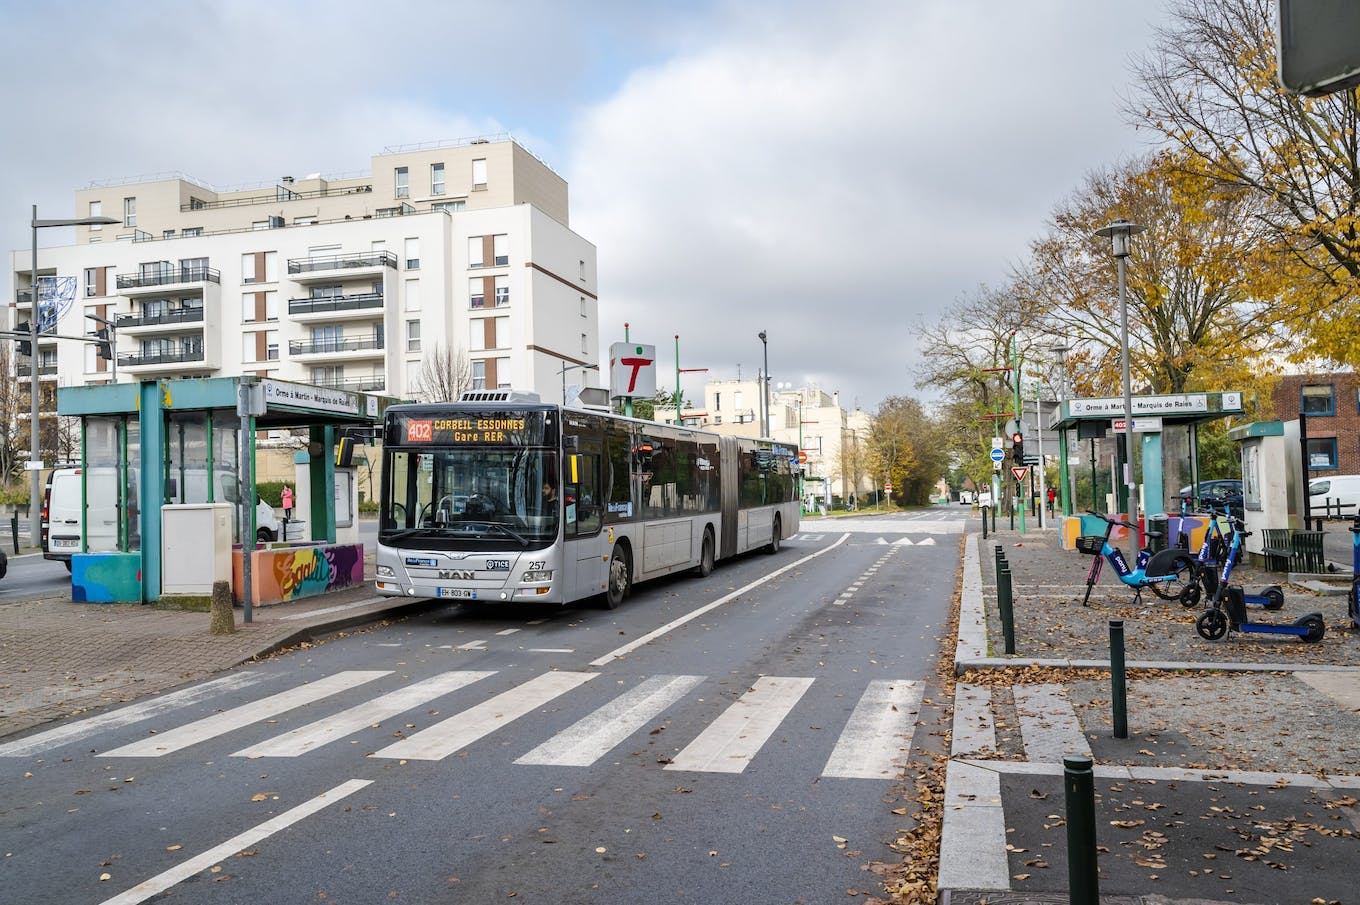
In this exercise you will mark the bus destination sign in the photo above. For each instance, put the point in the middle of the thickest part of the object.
(454, 431)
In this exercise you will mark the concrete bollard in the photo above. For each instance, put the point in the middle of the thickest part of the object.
(223, 619)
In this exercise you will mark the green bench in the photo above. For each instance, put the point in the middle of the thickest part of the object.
(1291, 550)
(1276, 550)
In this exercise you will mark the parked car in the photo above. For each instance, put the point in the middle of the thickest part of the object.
(4, 563)
(1333, 489)
(1221, 492)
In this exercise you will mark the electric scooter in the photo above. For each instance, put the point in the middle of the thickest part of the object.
(1205, 573)
(1164, 572)
(1229, 610)
(1353, 598)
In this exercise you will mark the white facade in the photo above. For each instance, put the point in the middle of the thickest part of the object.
(351, 283)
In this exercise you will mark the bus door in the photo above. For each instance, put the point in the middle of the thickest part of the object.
(587, 549)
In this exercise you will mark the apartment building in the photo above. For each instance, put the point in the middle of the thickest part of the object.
(449, 250)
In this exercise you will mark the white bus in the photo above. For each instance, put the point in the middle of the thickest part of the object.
(501, 498)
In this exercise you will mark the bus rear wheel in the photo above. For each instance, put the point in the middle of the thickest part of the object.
(620, 578)
(705, 567)
(776, 533)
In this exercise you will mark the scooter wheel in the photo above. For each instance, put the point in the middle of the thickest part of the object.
(1190, 595)
(1316, 628)
(1211, 625)
(1274, 598)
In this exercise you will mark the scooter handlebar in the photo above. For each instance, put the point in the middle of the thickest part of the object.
(1113, 521)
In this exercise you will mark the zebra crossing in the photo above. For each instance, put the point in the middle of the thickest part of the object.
(873, 744)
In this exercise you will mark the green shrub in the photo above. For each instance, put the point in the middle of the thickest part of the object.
(368, 505)
(272, 492)
(14, 494)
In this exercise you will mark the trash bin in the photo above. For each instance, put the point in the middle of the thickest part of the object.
(1156, 531)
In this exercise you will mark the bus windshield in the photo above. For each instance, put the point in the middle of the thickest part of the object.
(441, 498)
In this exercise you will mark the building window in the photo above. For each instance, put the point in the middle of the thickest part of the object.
(190, 231)
(413, 336)
(91, 284)
(717, 403)
(477, 334)
(97, 210)
(248, 268)
(479, 175)
(403, 181)
(583, 307)
(475, 252)
(271, 345)
(501, 249)
(1318, 400)
(260, 224)
(388, 212)
(448, 206)
(247, 307)
(1322, 452)
(412, 295)
(583, 343)
(476, 297)
(502, 287)
(271, 305)
(436, 179)
(168, 234)
(129, 211)
(412, 254)
(581, 266)
(479, 375)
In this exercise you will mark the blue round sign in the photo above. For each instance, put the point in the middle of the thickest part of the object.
(998, 455)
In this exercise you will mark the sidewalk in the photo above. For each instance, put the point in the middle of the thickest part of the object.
(59, 658)
(1238, 781)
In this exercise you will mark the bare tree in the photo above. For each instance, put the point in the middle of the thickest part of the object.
(13, 402)
(444, 375)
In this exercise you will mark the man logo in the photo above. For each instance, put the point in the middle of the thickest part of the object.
(456, 574)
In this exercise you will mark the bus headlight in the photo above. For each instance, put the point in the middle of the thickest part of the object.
(544, 575)
(386, 572)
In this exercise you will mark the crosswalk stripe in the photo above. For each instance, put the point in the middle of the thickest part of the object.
(462, 729)
(589, 739)
(314, 735)
(245, 715)
(730, 741)
(124, 716)
(875, 742)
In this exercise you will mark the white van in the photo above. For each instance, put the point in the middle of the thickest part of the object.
(1343, 489)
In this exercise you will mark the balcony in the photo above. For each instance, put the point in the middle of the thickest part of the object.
(280, 193)
(366, 347)
(330, 267)
(23, 297)
(373, 383)
(173, 319)
(185, 361)
(179, 277)
(337, 307)
(44, 370)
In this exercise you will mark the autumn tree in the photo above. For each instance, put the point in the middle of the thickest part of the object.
(1209, 86)
(903, 448)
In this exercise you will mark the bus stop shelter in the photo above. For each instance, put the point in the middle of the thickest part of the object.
(158, 443)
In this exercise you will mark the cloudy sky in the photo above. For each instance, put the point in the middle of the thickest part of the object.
(830, 173)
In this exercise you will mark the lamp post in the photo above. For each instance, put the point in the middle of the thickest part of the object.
(563, 372)
(34, 465)
(1118, 233)
(1063, 490)
(764, 389)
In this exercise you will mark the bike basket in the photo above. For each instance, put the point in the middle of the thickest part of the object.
(1091, 544)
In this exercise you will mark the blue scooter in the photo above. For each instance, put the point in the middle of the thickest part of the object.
(1229, 610)
(1353, 598)
(1212, 553)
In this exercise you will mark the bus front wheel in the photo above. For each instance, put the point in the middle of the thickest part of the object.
(775, 536)
(620, 578)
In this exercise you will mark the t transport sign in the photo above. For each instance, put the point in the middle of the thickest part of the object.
(632, 370)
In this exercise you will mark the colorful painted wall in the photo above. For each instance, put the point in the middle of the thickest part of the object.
(281, 575)
(106, 578)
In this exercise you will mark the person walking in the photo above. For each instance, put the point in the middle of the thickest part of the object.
(1052, 497)
(287, 500)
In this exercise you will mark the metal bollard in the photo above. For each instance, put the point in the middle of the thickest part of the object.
(1083, 880)
(1119, 698)
(1000, 554)
(14, 530)
(1005, 606)
(984, 522)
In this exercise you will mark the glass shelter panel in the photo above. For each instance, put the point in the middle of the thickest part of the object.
(186, 452)
(103, 482)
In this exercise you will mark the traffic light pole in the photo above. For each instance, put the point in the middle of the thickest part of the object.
(1015, 375)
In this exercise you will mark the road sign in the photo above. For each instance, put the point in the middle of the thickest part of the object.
(1020, 471)
(996, 466)
(1031, 460)
(998, 455)
(802, 455)
(887, 488)
(998, 443)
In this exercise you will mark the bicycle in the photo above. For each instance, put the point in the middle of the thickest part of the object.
(1165, 573)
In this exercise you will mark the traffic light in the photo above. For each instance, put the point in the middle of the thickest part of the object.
(103, 348)
(1018, 447)
(25, 346)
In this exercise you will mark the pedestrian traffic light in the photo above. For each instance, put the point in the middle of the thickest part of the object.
(1018, 447)
(103, 346)
(25, 346)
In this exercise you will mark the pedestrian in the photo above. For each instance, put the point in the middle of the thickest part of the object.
(287, 500)
(852, 501)
(1052, 497)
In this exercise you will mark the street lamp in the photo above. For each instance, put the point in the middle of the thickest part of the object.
(765, 390)
(1118, 233)
(34, 465)
(563, 372)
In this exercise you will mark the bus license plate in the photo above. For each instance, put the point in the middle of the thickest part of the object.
(458, 593)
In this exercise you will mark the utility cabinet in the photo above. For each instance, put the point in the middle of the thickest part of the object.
(196, 543)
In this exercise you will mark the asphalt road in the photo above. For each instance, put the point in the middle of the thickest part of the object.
(735, 738)
(30, 576)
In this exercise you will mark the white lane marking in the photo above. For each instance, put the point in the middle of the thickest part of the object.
(462, 729)
(536, 621)
(333, 609)
(881, 541)
(589, 739)
(479, 644)
(877, 739)
(314, 735)
(973, 837)
(551, 650)
(246, 714)
(124, 716)
(928, 542)
(1048, 724)
(730, 741)
(163, 881)
(508, 631)
(676, 623)
(902, 542)
(974, 731)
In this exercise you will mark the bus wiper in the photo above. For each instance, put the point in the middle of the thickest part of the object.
(409, 532)
(508, 532)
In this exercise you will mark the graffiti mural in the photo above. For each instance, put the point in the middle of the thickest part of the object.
(56, 295)
(283, 575)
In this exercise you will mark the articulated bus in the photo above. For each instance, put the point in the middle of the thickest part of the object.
(504, 499)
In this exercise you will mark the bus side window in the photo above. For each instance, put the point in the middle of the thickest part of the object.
(583, 501)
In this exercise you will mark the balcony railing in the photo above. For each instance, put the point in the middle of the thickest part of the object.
(43, 370)
(304, 347)
(356, 384)
(280, 193)
(169, 275)
(23, 297)
(343, 262)
(173, 316)
(335, 303)
(136, 359)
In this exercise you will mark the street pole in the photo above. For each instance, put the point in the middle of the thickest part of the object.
(1039, 434)
(34, 452)
(765, 391)
(1015, 374)
(627, 400)
(1118, 233)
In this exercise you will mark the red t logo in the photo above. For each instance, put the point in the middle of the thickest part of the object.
(636, 364)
